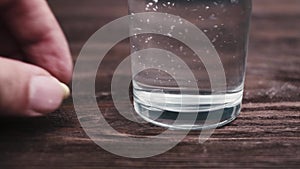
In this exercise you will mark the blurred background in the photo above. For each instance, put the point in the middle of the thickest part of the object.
(274, 52)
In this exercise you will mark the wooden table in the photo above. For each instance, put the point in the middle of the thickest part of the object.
(266, 134)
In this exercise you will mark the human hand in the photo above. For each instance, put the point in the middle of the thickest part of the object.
(34, 57)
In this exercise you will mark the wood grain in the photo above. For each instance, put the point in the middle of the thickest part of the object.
(265, 135)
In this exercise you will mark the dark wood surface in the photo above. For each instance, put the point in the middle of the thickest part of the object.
(266, 134)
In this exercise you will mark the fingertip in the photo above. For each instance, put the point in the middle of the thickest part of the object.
(45, 94)
(28, 90)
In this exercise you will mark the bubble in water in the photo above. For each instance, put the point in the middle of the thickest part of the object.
(181, 48)
(213, 17)
(148, 39)
(234, 1)
(138, 29)
(180, 21)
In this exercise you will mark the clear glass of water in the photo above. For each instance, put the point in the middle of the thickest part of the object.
(159, 97)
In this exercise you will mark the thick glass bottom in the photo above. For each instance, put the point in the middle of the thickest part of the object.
(189, 116)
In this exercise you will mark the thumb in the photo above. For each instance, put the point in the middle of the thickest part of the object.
(28, 90)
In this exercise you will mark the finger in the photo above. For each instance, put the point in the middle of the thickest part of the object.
(35, 28)
(27, 90)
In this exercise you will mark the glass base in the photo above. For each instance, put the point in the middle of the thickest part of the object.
(189, 120)
(167, 118)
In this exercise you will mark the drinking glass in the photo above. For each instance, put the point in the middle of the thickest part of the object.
(162, 86)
